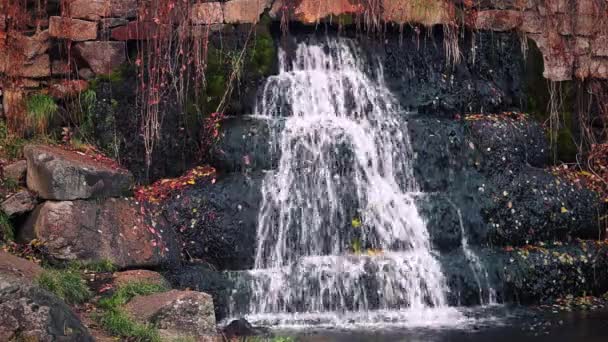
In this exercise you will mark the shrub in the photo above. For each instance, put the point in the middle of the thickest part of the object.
(66, 284)
(41, 109)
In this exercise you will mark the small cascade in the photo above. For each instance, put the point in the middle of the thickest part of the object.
(477, 267)
(339, 234)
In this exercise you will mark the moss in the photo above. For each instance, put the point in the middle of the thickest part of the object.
(93, 266)
(66, 284)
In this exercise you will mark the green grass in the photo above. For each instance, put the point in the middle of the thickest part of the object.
(115, 321)
(66, 284)
(10, 145)
(40, 110)
(6, 228)
(126, 292)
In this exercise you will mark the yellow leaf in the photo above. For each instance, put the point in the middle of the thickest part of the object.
(356, 223)
(585, 173)
(564, 210)
(191, 182)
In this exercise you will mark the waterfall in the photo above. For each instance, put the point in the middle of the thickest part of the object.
(339, 234)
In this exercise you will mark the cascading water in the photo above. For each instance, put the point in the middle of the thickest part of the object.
(339, 236)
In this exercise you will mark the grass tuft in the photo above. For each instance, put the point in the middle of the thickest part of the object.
(118, 323)
(40, 110)
(66, 284)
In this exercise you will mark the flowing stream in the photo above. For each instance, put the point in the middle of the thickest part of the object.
(340, 239)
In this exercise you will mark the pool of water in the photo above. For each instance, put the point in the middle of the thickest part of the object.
(494, 324)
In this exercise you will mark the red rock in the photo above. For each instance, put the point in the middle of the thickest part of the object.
(532, 22)
(18, 268)
(557, 6)
(39, 67)
(139, 276)
(206, 13)
(599, 46)
(136, 30)
(586, 25)
(60, 68)
(73, 29)
(598, 68)
(102, 57)
(88, 9)
(498, 20)
(123, 8)
(427, 13)
(581, 46)
(67, 88)
(244, 11)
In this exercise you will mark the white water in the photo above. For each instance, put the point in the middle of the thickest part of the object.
(345, 159)
(475, 263)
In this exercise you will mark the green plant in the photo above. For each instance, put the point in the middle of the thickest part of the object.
(6, 228)
(10, 145)
(41, 109)
(66, 284)
(93, 266)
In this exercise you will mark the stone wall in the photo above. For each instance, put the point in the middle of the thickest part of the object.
(572, 34)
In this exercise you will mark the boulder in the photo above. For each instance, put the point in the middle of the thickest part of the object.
(244, 11)
(311, 11)
(18, 204)
(206, 13)
(58, 174)
(28, 313)
(140, 276)
(15, 270)
(16, 171)
(599, 46)
(39, 67)
(102, 57)
(117, 230)
(72, 29)
(185, 314)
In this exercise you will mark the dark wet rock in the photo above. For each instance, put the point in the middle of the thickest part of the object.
(202, 278)
(177, 314)
(245, 144)
(57, 174)
(241, 327)
(118, 230)
(16, 171)
(217, 221)
(533, 205)
(18, 204)
(506, 145)
(28, 313)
